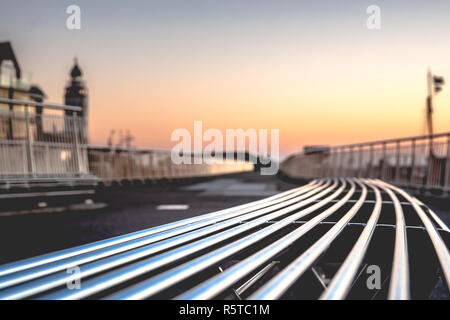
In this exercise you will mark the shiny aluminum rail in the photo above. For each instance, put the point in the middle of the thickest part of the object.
(316, 240)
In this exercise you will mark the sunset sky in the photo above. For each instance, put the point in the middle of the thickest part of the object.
(309, 68)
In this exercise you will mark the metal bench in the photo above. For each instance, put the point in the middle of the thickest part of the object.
(329, 239)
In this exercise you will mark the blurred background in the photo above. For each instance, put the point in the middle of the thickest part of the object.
(309, 68)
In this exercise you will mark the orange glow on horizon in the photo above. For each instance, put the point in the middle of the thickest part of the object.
(315, 73)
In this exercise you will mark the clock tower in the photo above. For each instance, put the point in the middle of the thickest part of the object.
(76, 95)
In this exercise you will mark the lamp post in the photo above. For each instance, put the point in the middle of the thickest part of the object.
(434, 86)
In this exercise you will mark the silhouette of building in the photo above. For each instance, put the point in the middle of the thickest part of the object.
(13, 86)
(7, 54)
(76, 95)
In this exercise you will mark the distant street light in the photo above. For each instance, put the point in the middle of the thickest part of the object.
(438, 83)
(435, 84)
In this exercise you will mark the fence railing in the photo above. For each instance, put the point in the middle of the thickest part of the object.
(116, 164)
(412, 161)
(38, 140)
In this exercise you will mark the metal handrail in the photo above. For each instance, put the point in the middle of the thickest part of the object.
(413, 161)
(395, 140)
(37, 144)
(53, 106)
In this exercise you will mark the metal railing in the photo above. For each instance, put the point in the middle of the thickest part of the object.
(317, 240)
(414, 161)
(117, 164)
(38, 141)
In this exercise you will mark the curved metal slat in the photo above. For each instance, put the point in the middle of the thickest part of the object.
(439, 245)
(115, 277)
(399, 285)
(108, 263)
(42, 270)
(41, 284)
(219, 283)
(162, 281)
(24, 264)
(89, 269)
(276, 287)
(341, 283)
(435, 217)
